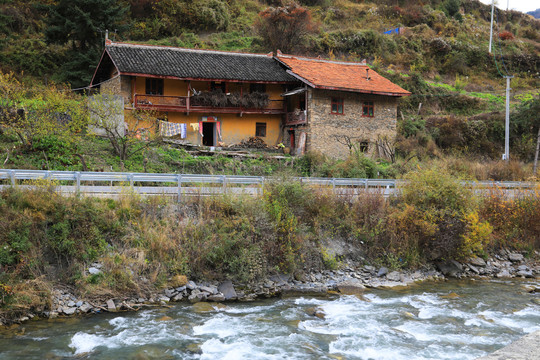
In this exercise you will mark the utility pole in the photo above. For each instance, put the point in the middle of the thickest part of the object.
(491, 27)
(506, 155)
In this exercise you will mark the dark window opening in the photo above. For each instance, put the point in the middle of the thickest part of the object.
(368, 109)
(302, 103)
(337, 106)
(154, 86)
(218, 85)
(260, 129)
(257, 88)
(364, 146)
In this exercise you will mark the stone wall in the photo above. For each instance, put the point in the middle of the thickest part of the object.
(120, 85)
(327, 132)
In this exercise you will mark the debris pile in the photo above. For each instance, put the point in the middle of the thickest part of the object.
(253, 142)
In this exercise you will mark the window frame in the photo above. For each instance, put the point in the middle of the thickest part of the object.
(154, 86)
(258, 127)
(337, 101)
(367, 105)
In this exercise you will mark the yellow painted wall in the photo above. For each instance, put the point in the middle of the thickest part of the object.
(234, 128)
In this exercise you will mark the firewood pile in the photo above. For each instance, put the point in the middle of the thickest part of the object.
(253, 142)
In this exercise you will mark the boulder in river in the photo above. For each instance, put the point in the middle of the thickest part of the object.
(110, 305)
(450, 268)
(227, 289)
(316, 311)
(351, 287)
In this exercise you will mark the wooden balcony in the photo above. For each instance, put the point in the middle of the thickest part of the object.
(186, 104)
(296, 118)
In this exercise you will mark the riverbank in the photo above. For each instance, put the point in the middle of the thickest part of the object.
(350, 280)
(526, 348)
(69, 255)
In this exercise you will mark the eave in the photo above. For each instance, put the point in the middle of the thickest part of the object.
(202, 79)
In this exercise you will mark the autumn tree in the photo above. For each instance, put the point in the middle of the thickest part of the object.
(285, 27)
(33, 114)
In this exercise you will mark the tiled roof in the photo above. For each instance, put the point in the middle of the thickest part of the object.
(334, 75)
(195, 64)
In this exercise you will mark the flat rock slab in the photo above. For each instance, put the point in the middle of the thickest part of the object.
(526, 348)
(351, 287)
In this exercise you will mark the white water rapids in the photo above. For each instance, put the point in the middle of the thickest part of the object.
(445, 320)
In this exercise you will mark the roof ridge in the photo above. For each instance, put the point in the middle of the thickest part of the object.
(307, 58)
(176, 48)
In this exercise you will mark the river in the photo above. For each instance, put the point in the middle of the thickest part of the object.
(442, 320)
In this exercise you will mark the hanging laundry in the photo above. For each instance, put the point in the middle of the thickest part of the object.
(169, 129)
(183, 132)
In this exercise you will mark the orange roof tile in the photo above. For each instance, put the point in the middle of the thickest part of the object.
(334, 75)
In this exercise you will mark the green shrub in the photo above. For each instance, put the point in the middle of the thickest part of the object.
(445, 215)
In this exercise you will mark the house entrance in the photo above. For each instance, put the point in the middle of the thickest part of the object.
(209, 131)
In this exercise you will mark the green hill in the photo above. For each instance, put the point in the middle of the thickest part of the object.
(440, 54)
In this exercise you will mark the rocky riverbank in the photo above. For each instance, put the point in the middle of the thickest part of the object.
(349, 280)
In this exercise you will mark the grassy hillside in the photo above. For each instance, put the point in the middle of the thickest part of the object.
(440, 55)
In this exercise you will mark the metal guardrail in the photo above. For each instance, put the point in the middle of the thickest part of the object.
(183, 182)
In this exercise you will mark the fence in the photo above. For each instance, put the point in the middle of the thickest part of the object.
(109, 184)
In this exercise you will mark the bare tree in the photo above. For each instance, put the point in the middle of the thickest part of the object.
(126, 137)
(386, 147)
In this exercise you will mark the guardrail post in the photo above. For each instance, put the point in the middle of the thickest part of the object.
(131, 182)
(366, 186)
(12, 177)
(334, 185)
(78, 178)
(179, 181)
(224, 181)
(262, 184)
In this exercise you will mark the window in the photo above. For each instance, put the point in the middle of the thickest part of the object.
(260, 129)
(218, 85)
(367, 109)
(154, 86)
(364, 146)
(337, 106)
(257, 88)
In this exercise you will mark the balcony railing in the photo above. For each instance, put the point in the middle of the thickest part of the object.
(185, 104)
(296, 117)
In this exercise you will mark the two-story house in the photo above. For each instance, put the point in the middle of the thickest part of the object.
(215, 98)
